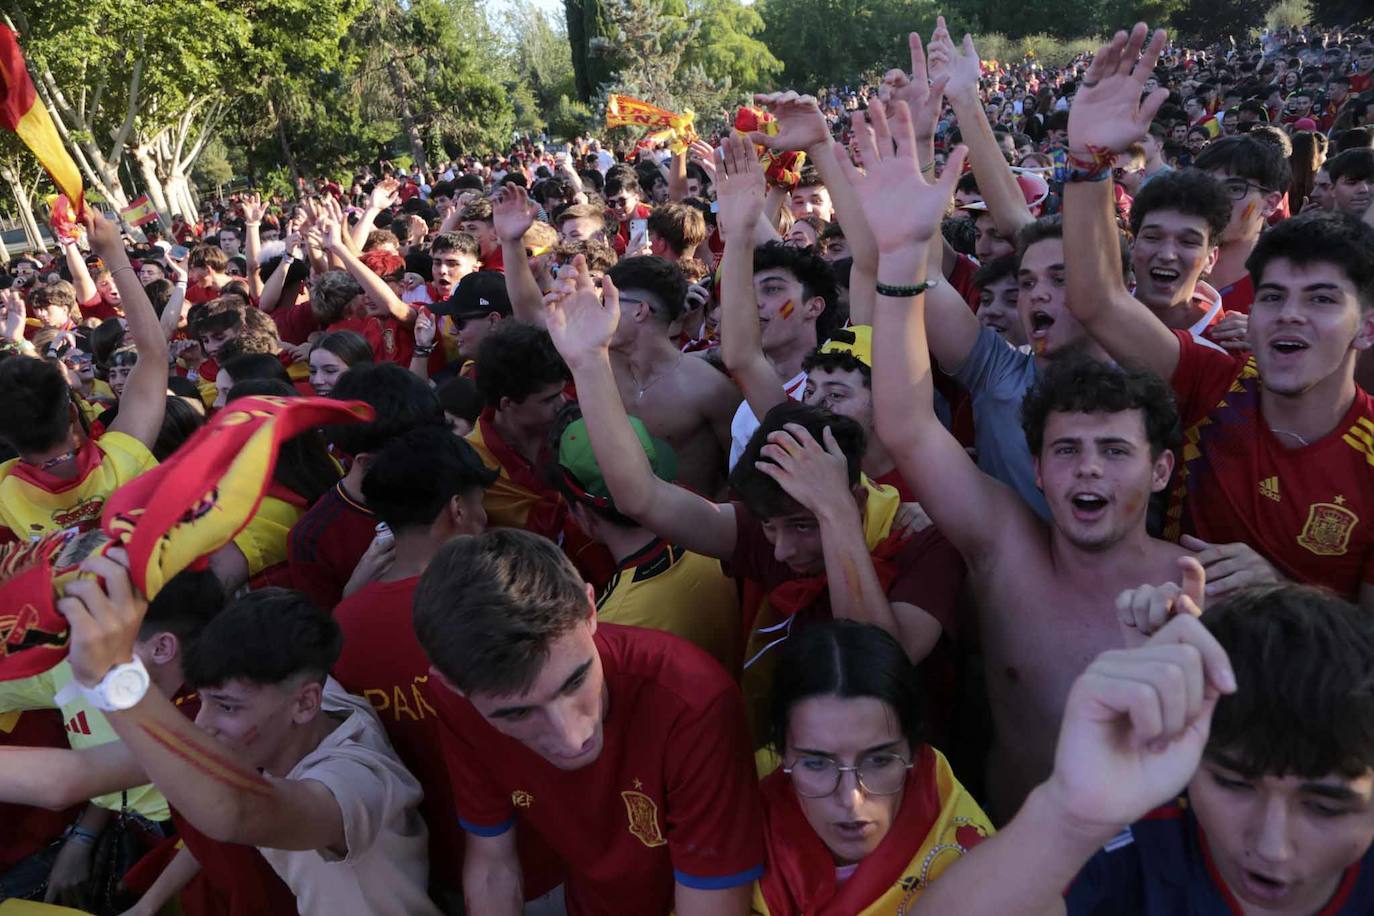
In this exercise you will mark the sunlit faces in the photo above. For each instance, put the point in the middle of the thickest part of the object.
(325, 369)
(1046, 321)
(560, 717)
(1305, 323)
(811, 201)
(1281, 844)
(997, 310)
(1097, 475)
(855, 731)
(989, 243)
(109, 293)
(1352, 194)
(693, 186)
(802, 235)
(623, 204)
(148, 271)
(1251, 206)
(783, 310)
(1171, 253)
(51, 315)
(448, 267)
(256, 721)
(470, 331)
(844, 392)
(582, 229)
(484, 232)
(214, 341)
(118, 375)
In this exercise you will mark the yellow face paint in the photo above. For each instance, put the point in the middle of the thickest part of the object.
(1249, 211)
(787, 309)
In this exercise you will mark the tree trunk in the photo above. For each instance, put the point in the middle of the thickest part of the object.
(417, 142)
(287, 153)
(157, 193)
(25, 209)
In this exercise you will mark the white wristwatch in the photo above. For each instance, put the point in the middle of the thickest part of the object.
(122, 687)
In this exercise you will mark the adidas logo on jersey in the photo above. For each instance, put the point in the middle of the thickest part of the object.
(1269, 487)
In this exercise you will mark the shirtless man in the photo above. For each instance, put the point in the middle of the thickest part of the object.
(682, 400)
(1099, 440)
(685, 402)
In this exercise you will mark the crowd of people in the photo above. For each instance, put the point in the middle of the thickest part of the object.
(978, 518)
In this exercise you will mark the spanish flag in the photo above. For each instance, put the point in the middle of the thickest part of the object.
(22, 112)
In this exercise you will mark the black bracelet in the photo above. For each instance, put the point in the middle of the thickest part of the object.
(905, 292)
(423, 351)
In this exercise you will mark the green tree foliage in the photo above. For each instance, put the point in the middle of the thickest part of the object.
(728, 45)
(1341, 12)
(1208, 21)
(824, 42)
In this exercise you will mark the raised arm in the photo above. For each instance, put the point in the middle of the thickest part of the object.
(145, 394)
(253, 212)
(581, 325)
(801, 126)
(57, 778)
(222, 796)
(513, 214)
(998, 185)
(904, 210)
(76, 266)
(377, 289)
(1130, 741)
(1107, 117)
(270, 299)
(382, 197)
(739, 192)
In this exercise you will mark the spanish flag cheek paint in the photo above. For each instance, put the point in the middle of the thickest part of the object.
(787, 309)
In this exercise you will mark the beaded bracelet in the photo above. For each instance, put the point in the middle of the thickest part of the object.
(905, 292)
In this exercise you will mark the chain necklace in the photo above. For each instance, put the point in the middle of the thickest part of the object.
(655, 380)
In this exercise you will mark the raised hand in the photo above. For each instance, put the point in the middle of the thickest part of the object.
(512, 213)
(331, 233)
(581, 322)
(425, 329)
(960, 68)
(253, 208)
(740, 187)
(902, 208)
(12, 315)
(801, 126)
(1135, 725)
(704, 155)
(1146, 609)
(924, 96)
(384, 195)
(810, 472)
(1107, 114)
(103, 234)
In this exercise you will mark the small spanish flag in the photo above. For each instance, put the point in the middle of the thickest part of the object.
(139, 211)
(21, 111)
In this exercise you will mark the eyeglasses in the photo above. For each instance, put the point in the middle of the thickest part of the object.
(878, 774)
(1237, 188)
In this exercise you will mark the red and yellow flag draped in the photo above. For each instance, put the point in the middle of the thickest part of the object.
(21, 111)
(664, 125)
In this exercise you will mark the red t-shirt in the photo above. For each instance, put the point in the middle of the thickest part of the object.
(622, 233)
(1239, 296)
(1306, 510)
(28, 829)
(673, 795)
(325, 545)
(198, 294)
(295, 323)
(97, 308)
(1361, 82)
(371, 330)
(961, 278)
(894, 479)
(398, 341)
(384, 662)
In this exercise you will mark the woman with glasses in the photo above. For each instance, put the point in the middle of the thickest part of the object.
(862, 814)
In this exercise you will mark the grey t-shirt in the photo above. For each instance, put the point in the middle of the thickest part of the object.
(997, 377)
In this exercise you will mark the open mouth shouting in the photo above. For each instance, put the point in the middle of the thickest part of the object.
(1164, 277)
(1287, 346)
(1088, 506)
(1261, 887)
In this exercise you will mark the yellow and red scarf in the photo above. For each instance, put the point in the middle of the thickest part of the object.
(936, 824)
(168, 519)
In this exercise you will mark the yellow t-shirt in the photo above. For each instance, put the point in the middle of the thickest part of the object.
(86, 727)
(34, 502)
(263, 541)
(672, 589)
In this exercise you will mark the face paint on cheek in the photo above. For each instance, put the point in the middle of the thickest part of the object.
(787, 309)
(250, 737)
(1040, 345)
(1249, 211)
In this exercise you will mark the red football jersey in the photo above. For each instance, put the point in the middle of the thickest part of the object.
(673, 795)
(326, 544)
(1306, 510)
(28, 829)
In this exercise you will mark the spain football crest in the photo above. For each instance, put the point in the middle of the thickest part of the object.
(643, 815)
(1328, 528)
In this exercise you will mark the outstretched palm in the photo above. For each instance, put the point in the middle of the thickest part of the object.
(801, 126)
(923, 96)
(581, 322)
(1108, 113)
(961, 68)
(740, 186)
(901, 206)
(512, 213)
